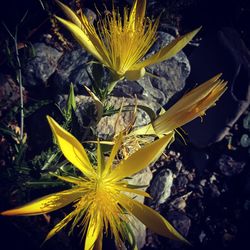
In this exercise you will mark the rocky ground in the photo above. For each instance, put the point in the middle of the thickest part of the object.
(202, 182)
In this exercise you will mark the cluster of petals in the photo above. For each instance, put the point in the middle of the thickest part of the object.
(100, 195)
(121, 44)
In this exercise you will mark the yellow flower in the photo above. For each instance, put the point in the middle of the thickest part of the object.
(121, 43)
(99, 195)
(189, 107)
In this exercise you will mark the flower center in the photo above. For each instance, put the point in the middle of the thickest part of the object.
(105, 194)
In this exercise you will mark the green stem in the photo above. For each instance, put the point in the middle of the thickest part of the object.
(18, 76)
(20, 81)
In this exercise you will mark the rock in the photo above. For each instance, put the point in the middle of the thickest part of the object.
(9, 94)
(202, 236)
(180, 183)
(172, 72)
(110, 125)
(142, 178)
(128, 89)
(223, 52)
(106, 128)
(180, 221)
(245, 141)
(170, 76)
(213, 190)
(41, 67)
(72, 68)
(203, 182)
(229, 167)
(180, 203)
(160, 188)
(150, 92)
(246, 121)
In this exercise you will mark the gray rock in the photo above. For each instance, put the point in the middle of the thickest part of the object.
(106, 128)
(213, 190)
(72, 68)
(160, 188)
(180, 221)
(180, 183)
(59, 70)
(110, 125)
(150, 92)
(128, 89)
(170, 76)
(229, 167)
(180, 203)
(142, 178)
(40, 68)
(223, 52)
(9, 93)
(175, 70)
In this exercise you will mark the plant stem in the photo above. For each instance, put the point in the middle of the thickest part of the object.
(18, 77)
(20, 81)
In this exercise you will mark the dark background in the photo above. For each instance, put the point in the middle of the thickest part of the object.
(211, 14)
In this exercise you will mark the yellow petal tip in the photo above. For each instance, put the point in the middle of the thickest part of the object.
(8, 213)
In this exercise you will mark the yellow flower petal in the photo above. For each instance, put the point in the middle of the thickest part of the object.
(70, 14)
(151, 219)
(96, 40)
(47, 203)
(59, 226)
(144, 130)
(99, 105)
(94, 230)
(98, 243)
(114, 151)
(135, 191)
(100, 159)
(81, 38)
(137, 14)
(134, 75)
(195, 95)
(190, 106)
(140, 11)
(167, 52)
(71, 148)
(132, 16)
(69, 179)
(141, 158)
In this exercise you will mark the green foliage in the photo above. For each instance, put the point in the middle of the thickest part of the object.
(71, 102)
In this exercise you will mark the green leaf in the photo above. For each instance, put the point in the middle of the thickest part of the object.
(99, 105)
(71, 101)
(150, 112)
